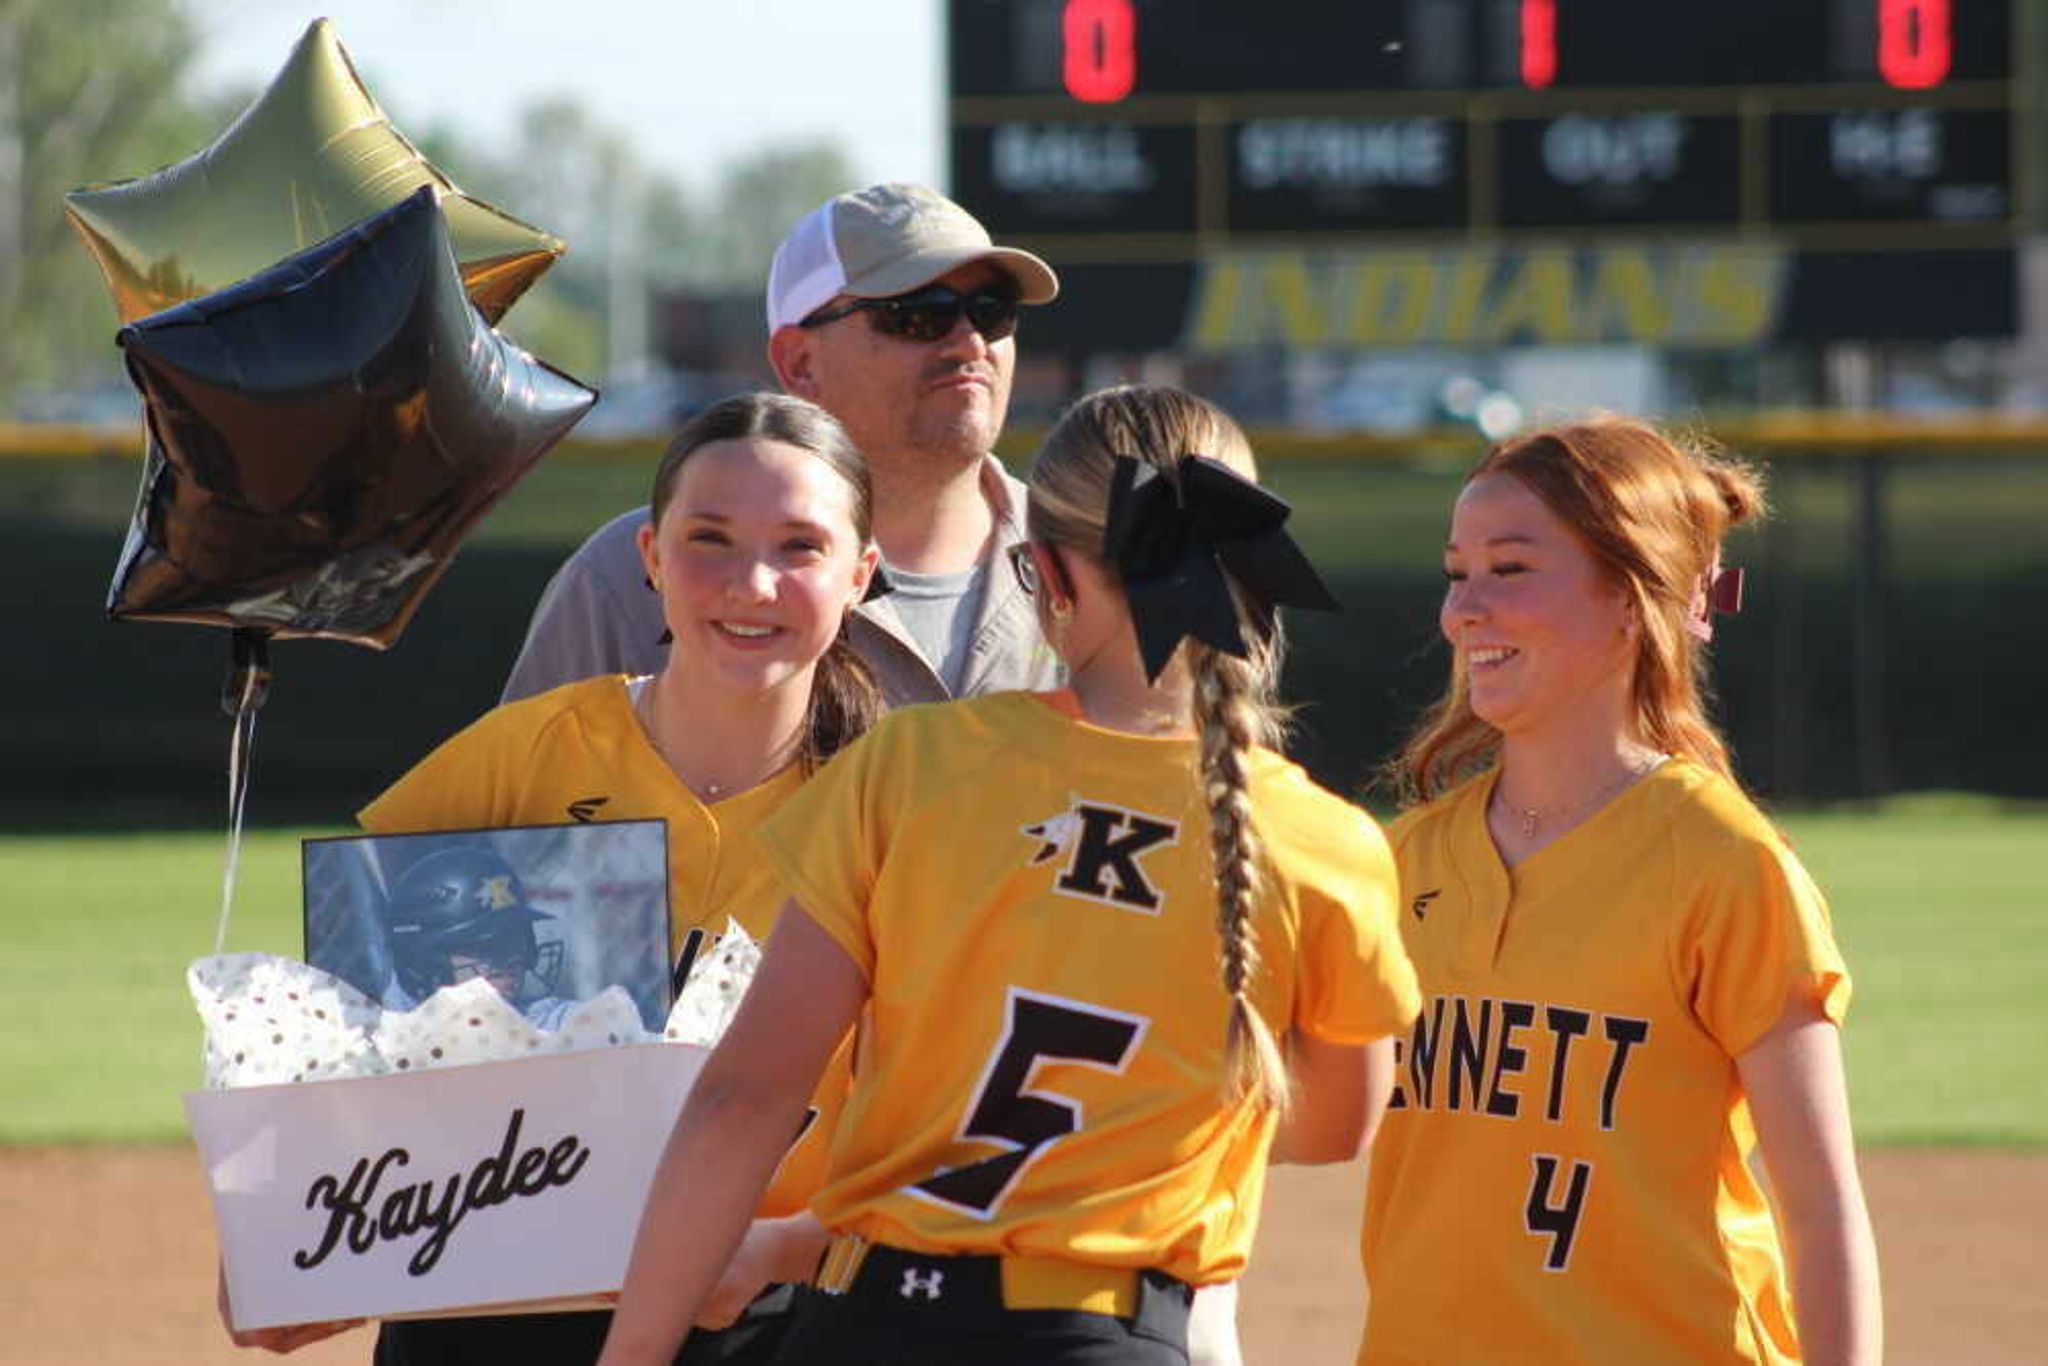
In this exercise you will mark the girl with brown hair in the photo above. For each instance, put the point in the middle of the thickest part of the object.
(1629, 982)
(1107, 950)
(759, 546)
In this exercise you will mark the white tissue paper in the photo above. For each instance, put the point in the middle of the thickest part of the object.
(711, 996)
(606, 1020)
(471, 1022)
(274, 1020)
(271, 1019)
(468, 1022)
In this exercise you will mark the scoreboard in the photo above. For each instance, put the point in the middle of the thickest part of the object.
(1861, 151)
(1103, 51)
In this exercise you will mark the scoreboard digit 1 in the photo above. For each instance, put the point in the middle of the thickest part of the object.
(1913, 43)
(1539, 43)
(1100, 38)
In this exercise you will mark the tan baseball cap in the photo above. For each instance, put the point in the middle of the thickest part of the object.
(887, 239)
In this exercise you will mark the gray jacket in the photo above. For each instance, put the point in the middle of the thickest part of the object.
(597, 615)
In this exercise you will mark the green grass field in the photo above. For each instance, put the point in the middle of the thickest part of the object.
(1936, 904)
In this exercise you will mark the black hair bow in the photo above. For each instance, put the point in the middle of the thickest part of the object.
(1173, 540)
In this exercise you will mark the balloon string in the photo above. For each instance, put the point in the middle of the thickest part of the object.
(238, 797)
(248, 685)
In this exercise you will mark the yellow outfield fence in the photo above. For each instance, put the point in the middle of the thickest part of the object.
(1783, 433)
(57, 440)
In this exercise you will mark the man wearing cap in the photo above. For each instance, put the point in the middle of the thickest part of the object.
(890, 308)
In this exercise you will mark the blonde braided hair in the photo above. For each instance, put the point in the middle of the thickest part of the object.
(1233, 713)
(1233, 698)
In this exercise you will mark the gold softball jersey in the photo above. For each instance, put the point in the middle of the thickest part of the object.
(1564, 1173)
(579, 753)
(1032, 901)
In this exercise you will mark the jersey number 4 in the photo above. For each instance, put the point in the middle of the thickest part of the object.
(1039, 1028)
(1553, 1212)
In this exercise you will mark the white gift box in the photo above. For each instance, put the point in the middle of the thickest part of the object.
(472, 1188)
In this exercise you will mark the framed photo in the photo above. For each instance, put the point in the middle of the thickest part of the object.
(550, 914)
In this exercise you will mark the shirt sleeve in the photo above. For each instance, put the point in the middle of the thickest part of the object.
(596, 616)
(1759, 935)
(1357, 984)
(827, 843)
(467, 783)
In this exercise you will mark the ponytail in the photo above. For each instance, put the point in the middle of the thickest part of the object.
(845, 702)
(1231, 717)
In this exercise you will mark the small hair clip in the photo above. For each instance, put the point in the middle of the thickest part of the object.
(1719, 593)
(1726, 592)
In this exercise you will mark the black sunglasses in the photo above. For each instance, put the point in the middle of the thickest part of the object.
(928, 314)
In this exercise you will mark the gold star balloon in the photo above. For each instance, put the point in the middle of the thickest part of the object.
(313, 155)
(323, 434)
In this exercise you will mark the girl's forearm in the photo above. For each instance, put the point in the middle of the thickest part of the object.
(1799, 1099)
(1339, 1092)
(718, 1161)
(1835, 1297)
(800, 1245)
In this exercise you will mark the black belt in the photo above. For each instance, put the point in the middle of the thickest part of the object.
(970, 1288)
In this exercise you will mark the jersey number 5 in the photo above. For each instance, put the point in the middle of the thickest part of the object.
(1023, 1122)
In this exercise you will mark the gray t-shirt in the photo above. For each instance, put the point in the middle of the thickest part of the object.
(939, 612)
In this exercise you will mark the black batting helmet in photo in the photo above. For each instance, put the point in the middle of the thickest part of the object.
(464, 901)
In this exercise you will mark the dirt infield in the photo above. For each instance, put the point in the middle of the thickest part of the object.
(109, 1256)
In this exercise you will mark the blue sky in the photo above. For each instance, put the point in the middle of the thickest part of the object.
(695, 82)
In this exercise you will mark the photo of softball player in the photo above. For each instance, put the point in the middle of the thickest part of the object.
(462, 912)
(1629, 981)
(1089, 936)
(760, 521)
(549, 915)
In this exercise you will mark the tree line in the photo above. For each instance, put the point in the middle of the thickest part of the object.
(100, 90)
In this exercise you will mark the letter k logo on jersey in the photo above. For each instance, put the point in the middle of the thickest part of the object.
(928, 1285)
(1099, 848)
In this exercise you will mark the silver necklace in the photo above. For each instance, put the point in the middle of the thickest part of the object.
(1532, 817)
(643, 707)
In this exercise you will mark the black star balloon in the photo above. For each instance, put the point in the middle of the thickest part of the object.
(311, 156)
(323, 434)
